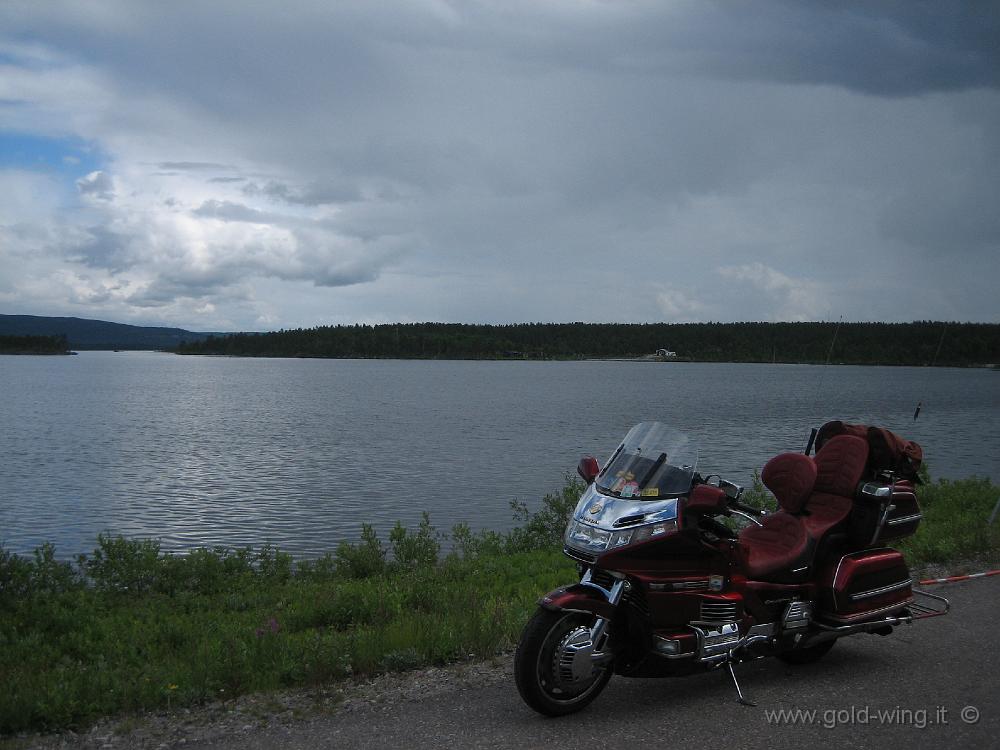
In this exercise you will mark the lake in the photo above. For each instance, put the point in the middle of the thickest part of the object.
(204, 451)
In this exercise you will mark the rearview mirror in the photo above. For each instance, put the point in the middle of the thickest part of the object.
(588, 469)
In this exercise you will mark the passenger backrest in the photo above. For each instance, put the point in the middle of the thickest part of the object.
(791, 477)
(840, 465)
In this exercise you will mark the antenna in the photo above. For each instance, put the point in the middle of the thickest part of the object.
(940, 342)
(822, 376)
(835, 332)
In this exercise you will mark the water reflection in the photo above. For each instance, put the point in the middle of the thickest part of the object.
(206, 451)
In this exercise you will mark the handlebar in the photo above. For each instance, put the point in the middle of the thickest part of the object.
(737, 505)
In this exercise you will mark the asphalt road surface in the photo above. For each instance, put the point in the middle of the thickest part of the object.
(936, 683)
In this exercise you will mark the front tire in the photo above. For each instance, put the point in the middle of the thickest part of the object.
(543, 669)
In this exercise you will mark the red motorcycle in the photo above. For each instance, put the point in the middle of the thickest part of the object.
(671, 585)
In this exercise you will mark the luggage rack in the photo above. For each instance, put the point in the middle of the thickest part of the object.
(926, 605)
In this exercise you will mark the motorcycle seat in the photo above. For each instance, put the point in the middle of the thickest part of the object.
(781, 544)
(840, 465)
(778, 546)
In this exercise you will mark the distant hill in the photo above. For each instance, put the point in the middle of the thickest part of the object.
(98, 334)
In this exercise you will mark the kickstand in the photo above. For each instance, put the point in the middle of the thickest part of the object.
(742, 701)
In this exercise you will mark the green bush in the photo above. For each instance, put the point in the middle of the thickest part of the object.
(414, 550)
(361, 560)
(545, 527)
(123, 565)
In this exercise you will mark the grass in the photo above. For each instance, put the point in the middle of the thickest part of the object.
(130, 628)
(954, 529)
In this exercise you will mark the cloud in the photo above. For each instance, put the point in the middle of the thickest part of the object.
(679, 307)
(192, 166)
(97, 185)
(788, 298)
(315, 194)
(503, 161)
(228, 211)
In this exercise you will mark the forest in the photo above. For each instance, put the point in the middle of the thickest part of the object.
(33, 345)
(918, 343)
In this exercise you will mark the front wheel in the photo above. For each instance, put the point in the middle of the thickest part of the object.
(553, 666)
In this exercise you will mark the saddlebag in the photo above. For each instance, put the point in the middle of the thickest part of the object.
(865, 585)
(883, 511)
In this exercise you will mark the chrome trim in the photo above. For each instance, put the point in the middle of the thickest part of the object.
(583, 557)
(733, 491)
(698, 584)
(836, 573)
(876, 490)
(747, 516)
(869, 613)
(797, 615)
(712, 611)
(858, 627)
(716, 640)
(887, 508)
(882, 590)
(947, 604)
(614, 594)
(676, 656)
(905, 519)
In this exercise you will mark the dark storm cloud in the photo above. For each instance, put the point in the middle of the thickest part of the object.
(891, 48)
(522, 159)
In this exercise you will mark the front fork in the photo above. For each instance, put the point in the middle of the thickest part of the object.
(613, 596)
(586, 650)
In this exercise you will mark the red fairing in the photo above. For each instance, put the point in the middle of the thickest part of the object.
(578, 598)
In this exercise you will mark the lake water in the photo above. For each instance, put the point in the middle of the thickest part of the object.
(220, 451)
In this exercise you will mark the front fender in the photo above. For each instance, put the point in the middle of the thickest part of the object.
(578, 598)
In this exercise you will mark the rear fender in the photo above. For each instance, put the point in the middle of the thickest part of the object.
(578, 598)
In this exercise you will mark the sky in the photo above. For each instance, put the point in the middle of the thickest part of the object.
(238, 165)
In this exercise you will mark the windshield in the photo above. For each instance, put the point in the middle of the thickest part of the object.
(653, 461)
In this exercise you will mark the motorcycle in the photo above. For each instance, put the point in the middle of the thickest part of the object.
(679, 576)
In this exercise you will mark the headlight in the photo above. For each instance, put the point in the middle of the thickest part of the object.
(587, 538)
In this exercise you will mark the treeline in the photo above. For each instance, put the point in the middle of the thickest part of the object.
(918, 343)
(33, 345)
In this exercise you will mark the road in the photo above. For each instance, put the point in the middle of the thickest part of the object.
(922, 675)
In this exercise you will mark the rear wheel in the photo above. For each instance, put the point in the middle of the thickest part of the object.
(553, 667)
(806, 655)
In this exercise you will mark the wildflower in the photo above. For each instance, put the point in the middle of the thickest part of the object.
(272, 626)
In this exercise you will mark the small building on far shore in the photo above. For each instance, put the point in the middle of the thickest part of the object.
(666, 354)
